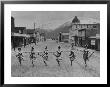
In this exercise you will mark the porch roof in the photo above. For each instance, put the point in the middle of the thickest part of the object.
(20, 35)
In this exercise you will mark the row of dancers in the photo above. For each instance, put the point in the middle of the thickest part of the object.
(57, 54)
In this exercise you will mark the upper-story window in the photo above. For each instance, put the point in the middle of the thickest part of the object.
(87, 26)
(84, 26)
(20, 31)
(81, 26)
(76, 26)
(94, 26)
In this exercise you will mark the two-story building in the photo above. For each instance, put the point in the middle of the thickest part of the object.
(65, 37)
(18, 34)
(83, 34)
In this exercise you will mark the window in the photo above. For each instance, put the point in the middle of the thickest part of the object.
(20, 31)
(87, 26)
(81, 26)
(94, 26)
(76, 26)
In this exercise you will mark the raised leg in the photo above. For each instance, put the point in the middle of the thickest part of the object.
(32, 63)
(85, 63)
(58, 62)
(20, 62)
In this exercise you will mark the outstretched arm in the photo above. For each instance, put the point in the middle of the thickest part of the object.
(90, 54)
(70, 54)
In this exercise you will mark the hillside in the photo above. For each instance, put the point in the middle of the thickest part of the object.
(64, 28)
(54, 33)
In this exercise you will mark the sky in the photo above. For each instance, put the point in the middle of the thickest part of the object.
(50, 19)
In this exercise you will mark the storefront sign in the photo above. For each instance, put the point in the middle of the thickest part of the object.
(92, 42)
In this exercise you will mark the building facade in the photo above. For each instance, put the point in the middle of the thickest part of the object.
(85, 34)
(12, 24)
(65, 37)
(18, 35)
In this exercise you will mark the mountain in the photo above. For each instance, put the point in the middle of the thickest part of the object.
(53, 33)
(64, 28)
(52, 25)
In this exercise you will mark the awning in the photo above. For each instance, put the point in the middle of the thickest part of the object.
(20, 35)
(96, 37)
(92, 37)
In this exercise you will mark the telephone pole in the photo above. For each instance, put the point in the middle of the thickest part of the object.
(34, 25)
